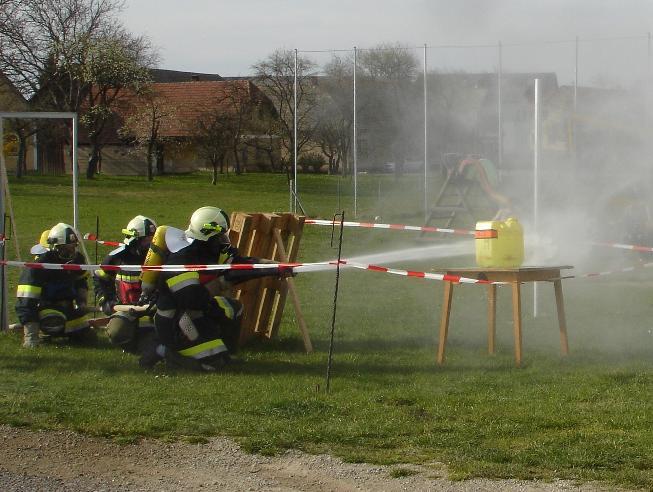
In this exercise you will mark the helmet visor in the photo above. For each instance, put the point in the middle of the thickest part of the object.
(211, 228)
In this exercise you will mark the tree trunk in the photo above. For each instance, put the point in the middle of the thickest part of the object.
(150, 151)
(160, 164)
(237, 161)
(93, 159)
(20, 161)
(214, 179)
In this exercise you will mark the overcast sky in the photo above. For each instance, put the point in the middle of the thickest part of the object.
(217, 36)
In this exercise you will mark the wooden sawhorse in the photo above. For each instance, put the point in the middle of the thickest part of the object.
(515, 277)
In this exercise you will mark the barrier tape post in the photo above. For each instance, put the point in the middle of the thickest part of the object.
(335, 299)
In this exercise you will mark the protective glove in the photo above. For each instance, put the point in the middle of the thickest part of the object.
(147, 298)
(286, 271)
(82, 298)
(107, 306)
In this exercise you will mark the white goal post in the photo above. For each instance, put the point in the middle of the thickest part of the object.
(3, 169)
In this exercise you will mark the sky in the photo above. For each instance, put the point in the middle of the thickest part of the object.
(215, 36)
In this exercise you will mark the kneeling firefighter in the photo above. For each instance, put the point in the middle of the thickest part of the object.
(198, 329)
(54, 301)
(130, 332)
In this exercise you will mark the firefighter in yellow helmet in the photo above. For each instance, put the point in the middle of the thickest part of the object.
(112, 287)
(196, 328)
(54, 301)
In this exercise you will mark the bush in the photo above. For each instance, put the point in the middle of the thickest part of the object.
(311, 161)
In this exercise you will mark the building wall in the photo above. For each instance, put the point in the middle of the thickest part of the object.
(10, 100)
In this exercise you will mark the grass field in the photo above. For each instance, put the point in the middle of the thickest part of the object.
(588, 416)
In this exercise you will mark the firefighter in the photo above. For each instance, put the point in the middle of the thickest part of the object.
(198, 329)
(125, 329)
(54, 301)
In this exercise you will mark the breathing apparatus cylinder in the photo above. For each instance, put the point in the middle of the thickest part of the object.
(156, 255)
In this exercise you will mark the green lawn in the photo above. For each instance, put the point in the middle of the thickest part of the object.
(588, 416)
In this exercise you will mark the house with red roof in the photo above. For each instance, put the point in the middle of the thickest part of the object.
(178, 108)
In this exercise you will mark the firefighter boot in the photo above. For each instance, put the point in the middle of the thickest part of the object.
(31, 335)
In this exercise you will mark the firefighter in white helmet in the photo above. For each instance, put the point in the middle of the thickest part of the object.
(196, 328)
(126, 330)
(53, 302)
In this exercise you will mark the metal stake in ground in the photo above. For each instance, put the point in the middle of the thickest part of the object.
(335, 295)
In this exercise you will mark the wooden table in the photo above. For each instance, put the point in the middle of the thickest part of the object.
(515, 277)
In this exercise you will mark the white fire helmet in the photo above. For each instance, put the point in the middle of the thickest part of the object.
(62, 234)
(139, 226)
(207, 222)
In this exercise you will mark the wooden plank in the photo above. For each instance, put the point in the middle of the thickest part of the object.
(308, 346)
(491, 317)
(516, 320)
(444, 321)
(562, 322)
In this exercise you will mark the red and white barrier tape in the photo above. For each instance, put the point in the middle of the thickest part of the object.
(92, 237)
(295, 267)
(372, 225)
(409, 273)
(631, 247)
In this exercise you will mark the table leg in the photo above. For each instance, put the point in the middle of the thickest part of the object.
(516, 320)
(444, 321)
(560, 304)
(491, 317)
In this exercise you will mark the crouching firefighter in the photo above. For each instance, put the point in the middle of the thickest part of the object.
(198, 329)
(127, 330)
(53, 302)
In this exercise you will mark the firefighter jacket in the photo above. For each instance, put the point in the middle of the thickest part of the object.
(182, 295)
(40, 288)
(123, 286)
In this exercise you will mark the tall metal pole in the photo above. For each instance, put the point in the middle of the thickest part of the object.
(75, 176)
(576, 82)
(3, 276)
(500, 107)
(426, 142)
(355, 146)
(295, 133)
(536, 165)
(647, 98)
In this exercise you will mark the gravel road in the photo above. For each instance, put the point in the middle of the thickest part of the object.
(66, 461)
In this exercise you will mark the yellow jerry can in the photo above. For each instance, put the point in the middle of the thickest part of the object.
(499, 243)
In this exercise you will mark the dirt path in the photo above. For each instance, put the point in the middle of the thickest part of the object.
(63, 460)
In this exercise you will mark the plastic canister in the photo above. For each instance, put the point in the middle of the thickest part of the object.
(499, 243)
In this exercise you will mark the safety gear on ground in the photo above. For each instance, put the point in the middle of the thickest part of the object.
(63, 239)
(139, 227)
(31, 335)
(207, 222)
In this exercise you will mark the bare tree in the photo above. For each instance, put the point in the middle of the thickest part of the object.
(71, 55)
(114, 63)
(45, 45)
(388, 97)
(275, 76)
(215, 136)
(144, 126)
(334, 131)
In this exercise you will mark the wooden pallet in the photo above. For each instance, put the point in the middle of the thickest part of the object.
(275, 237)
